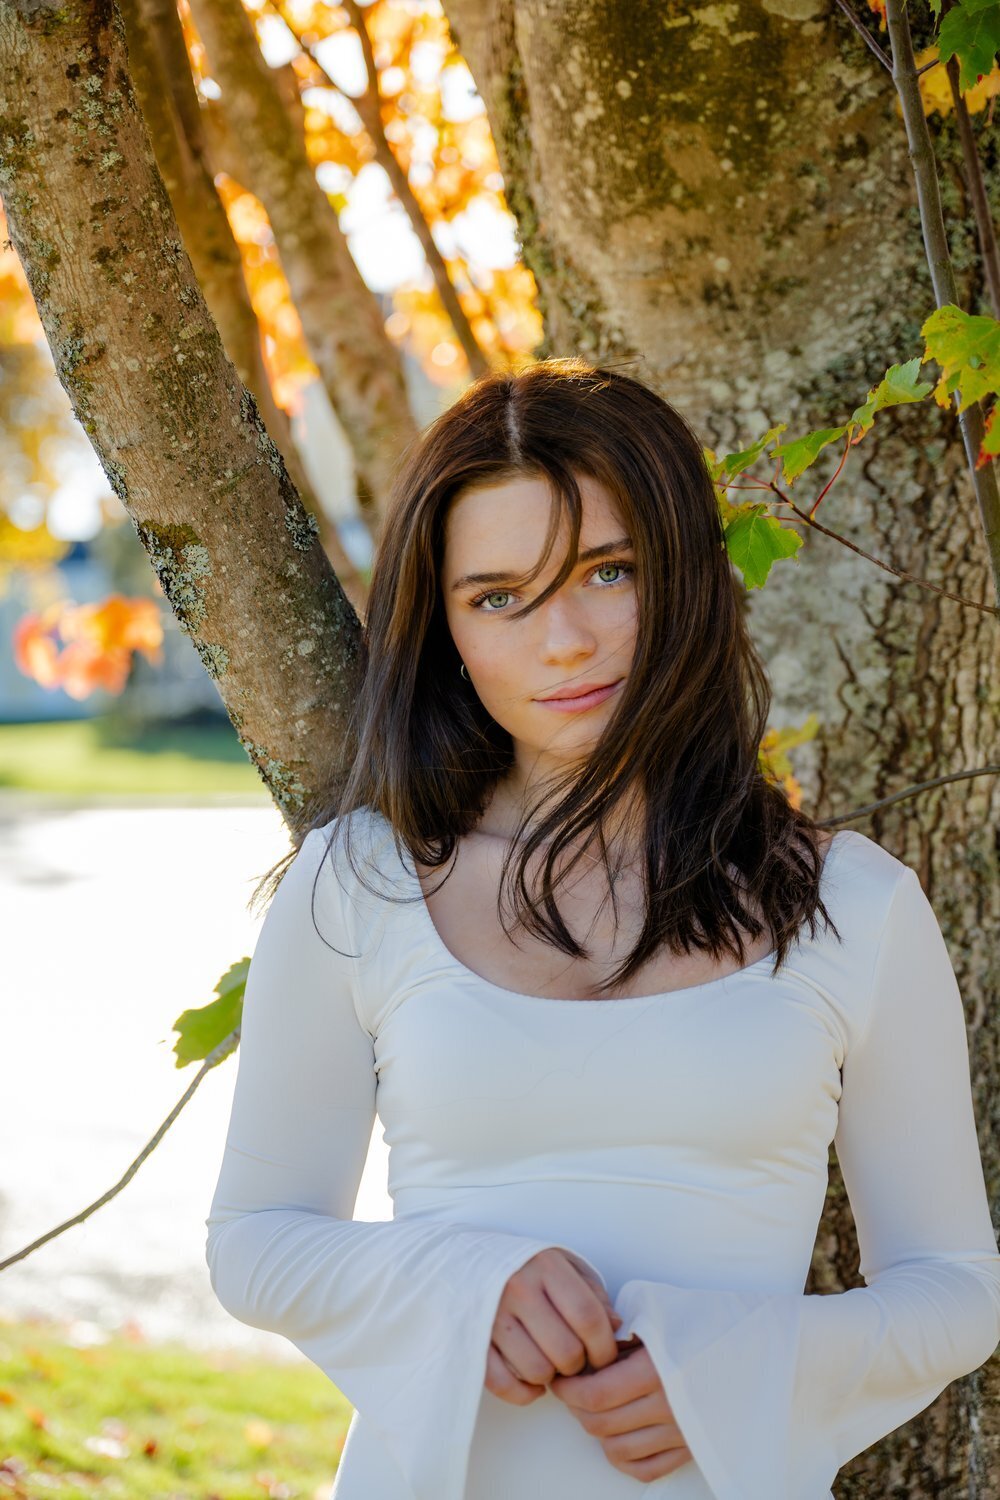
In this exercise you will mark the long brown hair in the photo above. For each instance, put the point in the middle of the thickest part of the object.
(686, 732)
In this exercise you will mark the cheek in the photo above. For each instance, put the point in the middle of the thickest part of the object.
(497, 663)
(490, 655)
(630, 616)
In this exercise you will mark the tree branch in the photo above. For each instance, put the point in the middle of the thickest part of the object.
(910, 791)
(369, 108)
(863, 31)
(342, 319)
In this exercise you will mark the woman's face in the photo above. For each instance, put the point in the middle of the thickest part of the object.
(579, 642)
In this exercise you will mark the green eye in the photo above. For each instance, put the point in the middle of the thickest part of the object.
(488, 603)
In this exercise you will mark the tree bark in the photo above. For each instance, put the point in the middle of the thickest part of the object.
(160, 72)
(720, 201)
(179, 437)
(341, 318)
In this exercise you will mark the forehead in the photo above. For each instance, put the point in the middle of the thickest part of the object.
(515, 514)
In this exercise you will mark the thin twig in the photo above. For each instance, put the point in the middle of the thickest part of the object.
(974, 181)
(864, 32)
(971, 423)
(217, 1055)
(873, 44)
(924, 583)
(833, 477)
(369, 107)
(911, 791)
(989, 609)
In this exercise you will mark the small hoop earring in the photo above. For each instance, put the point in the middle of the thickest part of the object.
(464, 673)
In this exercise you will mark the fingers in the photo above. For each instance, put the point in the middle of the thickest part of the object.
(597, 1286)
(591, 1317)
(502, 1381)
(626, 1408)
(526, 1355)
(647, 1411)
(553, 1319)
(654, 1467)
(644, 1442)
(571, 1301)
(626, 1380)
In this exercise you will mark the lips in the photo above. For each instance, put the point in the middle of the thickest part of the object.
(577, 691)
(579, 700)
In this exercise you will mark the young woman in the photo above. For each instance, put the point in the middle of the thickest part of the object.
(561, 932)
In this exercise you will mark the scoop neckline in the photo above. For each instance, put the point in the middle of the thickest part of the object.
(500, 989)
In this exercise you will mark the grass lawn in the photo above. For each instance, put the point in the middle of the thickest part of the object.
(160, 1421)
(88, 757)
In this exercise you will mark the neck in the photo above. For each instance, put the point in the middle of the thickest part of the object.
(533, 775)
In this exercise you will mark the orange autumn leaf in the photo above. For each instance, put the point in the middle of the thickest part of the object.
(935, 87)
(98, 643)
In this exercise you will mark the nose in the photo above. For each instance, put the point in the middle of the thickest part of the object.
(565, 635)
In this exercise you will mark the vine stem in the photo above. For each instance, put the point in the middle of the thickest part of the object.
(921, 151)
(974, 180)
(807, 517)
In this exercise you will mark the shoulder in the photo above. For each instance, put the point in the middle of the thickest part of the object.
(860, 886)
(899, 940)
(357, 843)
(360, 853)
(858, 866)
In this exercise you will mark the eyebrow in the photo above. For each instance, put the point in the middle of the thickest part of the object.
(591, 554)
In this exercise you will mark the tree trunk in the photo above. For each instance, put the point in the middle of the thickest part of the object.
(180, 439)
(723, 198)
(341, 318)
(161, 75)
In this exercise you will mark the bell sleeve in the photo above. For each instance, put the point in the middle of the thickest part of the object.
(773, 1393)
(399, 1315)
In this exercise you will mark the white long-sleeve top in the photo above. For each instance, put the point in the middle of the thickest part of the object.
(677, 1143)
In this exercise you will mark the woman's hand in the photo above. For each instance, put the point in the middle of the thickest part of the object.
(626, 1407)
(554, 1316)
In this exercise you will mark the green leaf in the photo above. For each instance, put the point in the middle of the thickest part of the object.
(734, 463)
(202, 1030)
(755, 540)
(971, 31)
(898, 385)
(796, 457)
(968, 350)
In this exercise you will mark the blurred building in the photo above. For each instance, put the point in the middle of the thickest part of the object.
(114, 561)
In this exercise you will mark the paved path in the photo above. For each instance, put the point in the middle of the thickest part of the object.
(115, 919)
